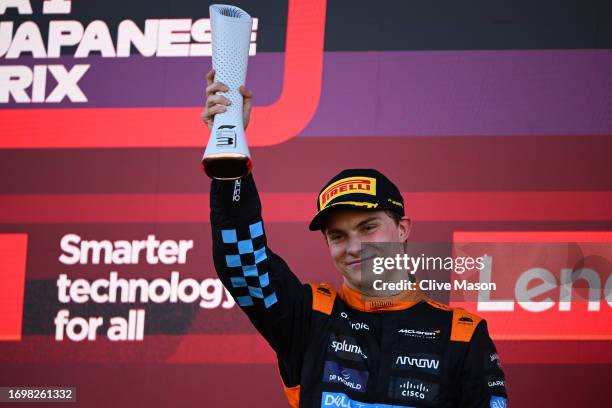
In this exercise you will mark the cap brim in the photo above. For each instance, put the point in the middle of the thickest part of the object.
(318, 222)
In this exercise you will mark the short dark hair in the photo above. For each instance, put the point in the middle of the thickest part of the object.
(394, 216)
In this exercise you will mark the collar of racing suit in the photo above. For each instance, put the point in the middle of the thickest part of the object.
(363, 303)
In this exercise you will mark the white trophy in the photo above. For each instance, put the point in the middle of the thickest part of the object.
(227, 154)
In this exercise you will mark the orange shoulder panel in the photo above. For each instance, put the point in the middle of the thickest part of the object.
(293, 395)
(323, 296)
(464, 324)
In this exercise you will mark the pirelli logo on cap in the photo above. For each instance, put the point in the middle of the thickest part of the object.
(349, 185)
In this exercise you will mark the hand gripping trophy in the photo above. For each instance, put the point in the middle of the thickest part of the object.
(227, 154)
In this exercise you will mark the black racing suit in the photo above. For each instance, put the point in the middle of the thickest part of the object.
(340, 350)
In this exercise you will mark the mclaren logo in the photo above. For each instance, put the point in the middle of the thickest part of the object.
(420, 334)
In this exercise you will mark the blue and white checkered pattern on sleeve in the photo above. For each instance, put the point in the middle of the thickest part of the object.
(247, 255)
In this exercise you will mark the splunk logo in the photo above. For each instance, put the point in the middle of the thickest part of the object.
(13, 250)
(429, 363)
(347, 348)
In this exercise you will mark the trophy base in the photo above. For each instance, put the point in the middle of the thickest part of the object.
(227, 166)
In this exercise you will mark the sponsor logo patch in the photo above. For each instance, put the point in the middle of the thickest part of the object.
(494, 359)
(413, 389)
(420, 334)
(339, 400)
(346, 347)
(498, 402)
(353, 379)
(428, 363)
(348, 185)
(356, 326)
(237, 186)
(496, 382)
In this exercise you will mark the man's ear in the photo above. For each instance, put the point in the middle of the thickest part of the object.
(405, 226)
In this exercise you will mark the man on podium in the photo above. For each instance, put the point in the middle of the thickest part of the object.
(354, 347)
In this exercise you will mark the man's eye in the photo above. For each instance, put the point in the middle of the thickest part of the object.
(369, 228)
(335, 237)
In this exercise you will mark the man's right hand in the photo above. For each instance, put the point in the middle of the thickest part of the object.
(218, 103)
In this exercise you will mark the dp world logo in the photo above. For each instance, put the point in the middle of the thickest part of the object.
(350, 378)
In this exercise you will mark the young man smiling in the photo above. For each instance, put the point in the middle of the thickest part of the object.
(357, 347)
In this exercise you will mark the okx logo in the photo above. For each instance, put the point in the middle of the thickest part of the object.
(13, 248)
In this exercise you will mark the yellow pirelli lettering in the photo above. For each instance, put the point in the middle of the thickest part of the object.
(348, 185)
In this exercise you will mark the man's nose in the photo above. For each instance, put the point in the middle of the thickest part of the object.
(354, 246)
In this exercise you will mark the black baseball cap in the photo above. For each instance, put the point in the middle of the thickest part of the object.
(364, 189)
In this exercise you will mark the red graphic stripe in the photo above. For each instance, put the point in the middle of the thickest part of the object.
(461, 163)
(300, 207)
(13, 250)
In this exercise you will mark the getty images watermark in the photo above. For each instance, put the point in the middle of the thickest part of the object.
(431, 267)
(404, 264)
(535, 276)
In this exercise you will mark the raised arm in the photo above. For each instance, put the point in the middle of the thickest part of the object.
(262, 284)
